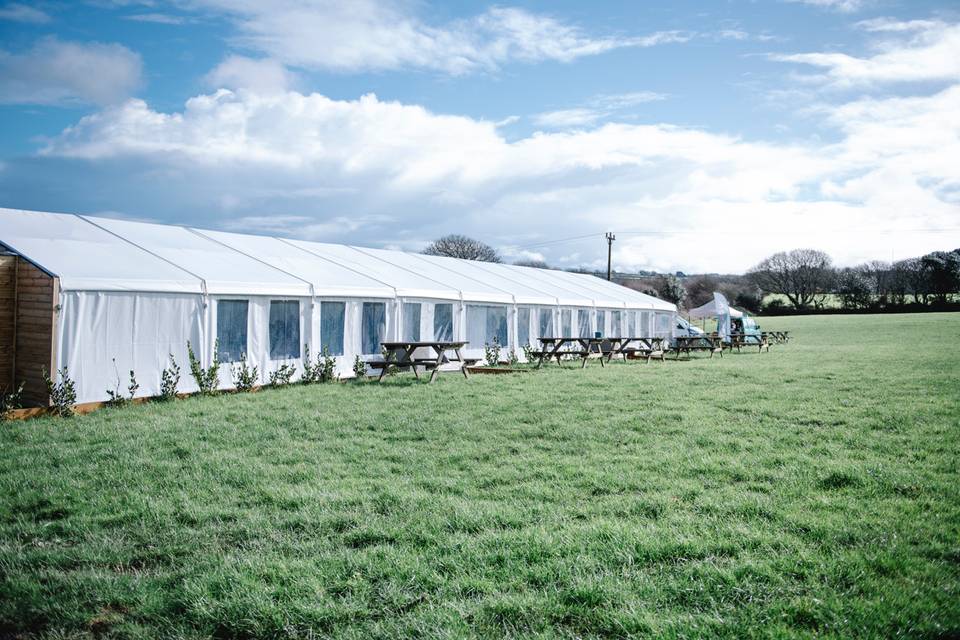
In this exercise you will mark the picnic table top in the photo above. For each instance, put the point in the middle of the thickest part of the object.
(401, 344)
(593, 339)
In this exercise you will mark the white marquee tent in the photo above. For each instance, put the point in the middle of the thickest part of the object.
(129, 294)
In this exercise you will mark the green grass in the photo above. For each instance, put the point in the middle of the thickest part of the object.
(815, 493)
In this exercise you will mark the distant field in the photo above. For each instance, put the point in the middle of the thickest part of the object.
(811, 491)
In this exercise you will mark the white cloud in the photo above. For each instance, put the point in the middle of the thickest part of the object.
(17, 12)
(564, 118)
(931, 52)
(598, 108)
(843, 6)
(157, 18)
(55, 72)
(364, 35)
(393, 173)
(262, 76)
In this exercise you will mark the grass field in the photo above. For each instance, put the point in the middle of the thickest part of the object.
(811, 491)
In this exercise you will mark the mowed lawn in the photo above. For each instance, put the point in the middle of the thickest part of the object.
(811, 491)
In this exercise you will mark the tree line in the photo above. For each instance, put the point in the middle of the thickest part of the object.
(805, 278)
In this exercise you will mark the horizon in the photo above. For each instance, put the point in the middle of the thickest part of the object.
(706, 139)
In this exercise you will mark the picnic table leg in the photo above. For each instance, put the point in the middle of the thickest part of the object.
(383, 371)
(463, 364)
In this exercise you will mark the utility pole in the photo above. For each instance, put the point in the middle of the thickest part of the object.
(610, 239)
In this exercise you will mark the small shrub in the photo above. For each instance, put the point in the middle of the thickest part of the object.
(245, 377)
(10, 400)
(514, 360)
(323, 370)
(282, 375)
(207, 379)
(114, 396)
(311, 370)
(491, 352)
(528, 350)
(328, 371)
(359, 368)
(63, 394)
(169, 379)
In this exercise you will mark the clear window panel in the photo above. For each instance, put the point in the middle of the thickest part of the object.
(486, 323)
(523, 326)
(373, 326)
(332, 316)
(663, 329)
(602, 322)
(583, 323)
(631, 324)
(231, 330)
(616, 324)
(443, 322)
(411, 321)
(284, 329)
(545, 323)
(566, 323)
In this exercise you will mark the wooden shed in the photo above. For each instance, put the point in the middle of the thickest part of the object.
(28, 316)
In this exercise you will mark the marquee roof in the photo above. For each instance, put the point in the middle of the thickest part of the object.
(103, 254)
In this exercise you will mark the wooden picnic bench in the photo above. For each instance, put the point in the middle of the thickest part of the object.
(687, 344)
(402, 356)
(779, 337)
(583, 348)
(739, 340)
(643, 348)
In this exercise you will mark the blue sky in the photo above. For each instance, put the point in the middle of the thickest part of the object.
(705, 134)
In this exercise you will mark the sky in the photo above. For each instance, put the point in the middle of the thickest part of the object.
(705, 135)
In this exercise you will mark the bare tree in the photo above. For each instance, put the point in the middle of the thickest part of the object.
(802, 275)
(457, 246)
(537, 264)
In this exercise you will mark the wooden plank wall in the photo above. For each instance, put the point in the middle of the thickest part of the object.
(8, 270)
(35, 316)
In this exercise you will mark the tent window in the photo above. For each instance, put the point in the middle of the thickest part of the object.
(484, 323)
(602, 322)
(663, 325)
(411, 321)
(284, 329)
(644, 324)
(583, 324)
(523, 326)
(566, 323)
(546, 323)
(231, 330)
(631, 324)
(443, 322)
(332, 315)
(373, 326)
(616, 320)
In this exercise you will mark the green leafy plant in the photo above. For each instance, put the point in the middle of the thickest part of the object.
(115, 397)
(359, 368)
(245, 377)
(282, 375)
(528, 352)
(169, 379)
(514, 360)
(207, 379)
(9, 400)
(491, 352)
(63, 394)
(324, 369)
(328, 366)
(311, 370)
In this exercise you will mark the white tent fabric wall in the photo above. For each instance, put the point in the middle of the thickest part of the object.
(133, 293)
